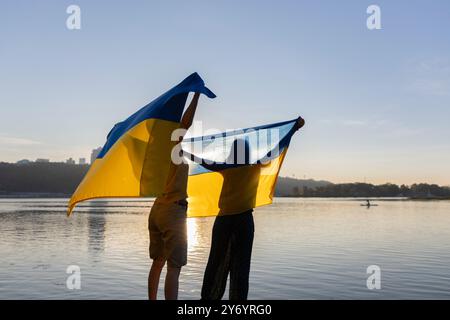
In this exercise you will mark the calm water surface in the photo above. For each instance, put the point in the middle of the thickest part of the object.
(304, 249)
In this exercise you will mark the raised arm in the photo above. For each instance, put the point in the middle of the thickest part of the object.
(188, 116)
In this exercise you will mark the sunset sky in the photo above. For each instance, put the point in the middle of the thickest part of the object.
(376, 102)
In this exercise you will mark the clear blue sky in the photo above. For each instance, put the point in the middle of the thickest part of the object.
(377, 103)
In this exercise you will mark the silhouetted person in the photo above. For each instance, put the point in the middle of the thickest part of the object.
(232, 236)
(167, 224)
(233, 232)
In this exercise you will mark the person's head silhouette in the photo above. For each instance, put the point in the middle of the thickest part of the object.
(239, 152)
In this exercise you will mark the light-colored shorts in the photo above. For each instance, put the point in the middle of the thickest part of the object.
(168, 233)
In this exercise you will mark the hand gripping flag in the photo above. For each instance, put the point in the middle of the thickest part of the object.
(135, 160)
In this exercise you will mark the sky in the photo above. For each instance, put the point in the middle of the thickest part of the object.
(376, 102)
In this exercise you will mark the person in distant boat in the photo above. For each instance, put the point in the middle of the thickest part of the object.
(368, 202)
(232, 235)
(167, 223)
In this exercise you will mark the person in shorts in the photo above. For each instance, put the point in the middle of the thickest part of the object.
(167, 224)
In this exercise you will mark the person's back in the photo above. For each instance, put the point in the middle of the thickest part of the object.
(167, 224)
(233, 230)
(176, 185)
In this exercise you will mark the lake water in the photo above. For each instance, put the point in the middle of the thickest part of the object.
(303, 249)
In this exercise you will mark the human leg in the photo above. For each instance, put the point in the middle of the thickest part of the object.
(217, 268)
(241, 252)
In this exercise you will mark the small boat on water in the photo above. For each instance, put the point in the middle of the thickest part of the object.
(368, 204)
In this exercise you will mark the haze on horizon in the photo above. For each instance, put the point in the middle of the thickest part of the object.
(376, 102)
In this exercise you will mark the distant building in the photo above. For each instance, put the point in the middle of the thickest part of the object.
(95, 154)
(42, 160)
(70, 161)
(23, 161)
(82, 161)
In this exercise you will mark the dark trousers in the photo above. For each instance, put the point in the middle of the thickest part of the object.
(231, 251)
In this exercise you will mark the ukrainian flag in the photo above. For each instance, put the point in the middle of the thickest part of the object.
(136, 158)
(235, 171)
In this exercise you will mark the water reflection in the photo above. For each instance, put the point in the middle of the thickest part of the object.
(192, 229)
(199, 232)
(303, 249)
(96, 226)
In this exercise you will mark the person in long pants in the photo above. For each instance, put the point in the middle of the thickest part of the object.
(232, 239)
(231, 251)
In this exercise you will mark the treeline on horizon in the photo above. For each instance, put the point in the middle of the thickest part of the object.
(421, 190)
(36, 177)
(62, 179)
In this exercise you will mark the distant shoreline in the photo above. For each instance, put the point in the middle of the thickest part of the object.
(34, 196)
(67, 196)
(60, 180)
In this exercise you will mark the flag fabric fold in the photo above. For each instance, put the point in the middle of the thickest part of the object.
(235, 171)
(229, 172)
(135, 160)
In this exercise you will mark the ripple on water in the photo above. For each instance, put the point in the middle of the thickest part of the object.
(303, 249)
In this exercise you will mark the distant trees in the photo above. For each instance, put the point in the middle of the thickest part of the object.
(383, 190)
(40, 177)
(424, 189)
(63, 178)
